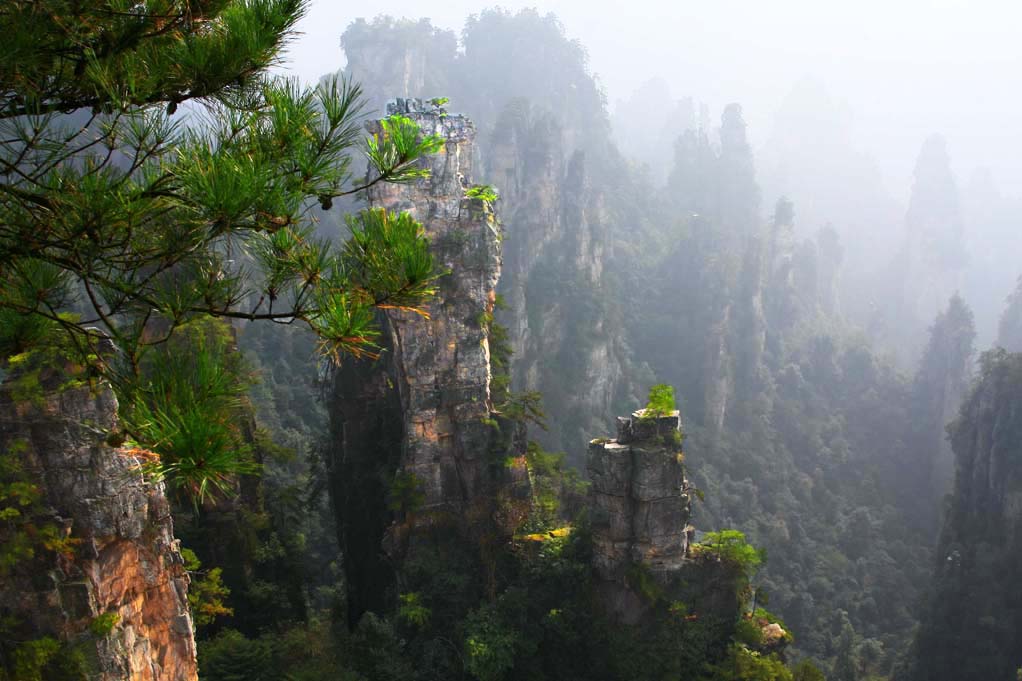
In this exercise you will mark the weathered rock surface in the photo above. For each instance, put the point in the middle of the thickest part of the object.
(436, 434)
(554, 280)
(640, 505)
(443, 364)
(125, 559)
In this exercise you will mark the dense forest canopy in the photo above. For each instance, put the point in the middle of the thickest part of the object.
(448, 367)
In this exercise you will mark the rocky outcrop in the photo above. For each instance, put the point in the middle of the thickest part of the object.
(640, 507)
(436, 438)
(119, 563)
(443, 366)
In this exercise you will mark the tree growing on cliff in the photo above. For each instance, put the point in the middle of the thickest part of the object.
(123, 218)
(138, 221)
(660, 401)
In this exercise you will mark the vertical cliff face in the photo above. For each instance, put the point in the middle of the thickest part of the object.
(555, 250)
(420, 419)
(972, 625)
(443, 365)
(640, 507)
(120, 563)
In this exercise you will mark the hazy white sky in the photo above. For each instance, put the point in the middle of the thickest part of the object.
(905, 68)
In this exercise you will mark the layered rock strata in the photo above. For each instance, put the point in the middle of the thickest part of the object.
(443, 364)
(122, 565)
(421, 416)
(640, 506)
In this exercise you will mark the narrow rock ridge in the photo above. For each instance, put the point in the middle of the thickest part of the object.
(640, 506)
(125, 560)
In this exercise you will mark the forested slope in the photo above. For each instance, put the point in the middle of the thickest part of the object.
(615, 281)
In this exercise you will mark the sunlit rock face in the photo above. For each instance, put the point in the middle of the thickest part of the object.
(640, 506)
(444, 363)
(421, 416)
(124, 559)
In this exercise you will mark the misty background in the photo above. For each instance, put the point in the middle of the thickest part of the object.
(895, 71)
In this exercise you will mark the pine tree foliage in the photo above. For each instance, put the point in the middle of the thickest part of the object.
(661, 400)
(139, 220)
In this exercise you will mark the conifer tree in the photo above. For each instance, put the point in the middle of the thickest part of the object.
(122, 217)
(153, 175)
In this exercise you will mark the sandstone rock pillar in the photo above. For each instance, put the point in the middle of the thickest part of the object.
(640, 506)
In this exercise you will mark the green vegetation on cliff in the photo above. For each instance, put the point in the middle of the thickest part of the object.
(141, 224)
(971, 624)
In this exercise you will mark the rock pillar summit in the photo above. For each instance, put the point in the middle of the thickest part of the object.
(640, 505)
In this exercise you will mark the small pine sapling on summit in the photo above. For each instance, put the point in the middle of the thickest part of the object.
(660, 401)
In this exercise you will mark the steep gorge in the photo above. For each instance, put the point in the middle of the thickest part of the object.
(614, 285)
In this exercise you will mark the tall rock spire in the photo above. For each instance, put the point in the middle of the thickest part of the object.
(417, 439)
(640, 506)
(930, 266)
